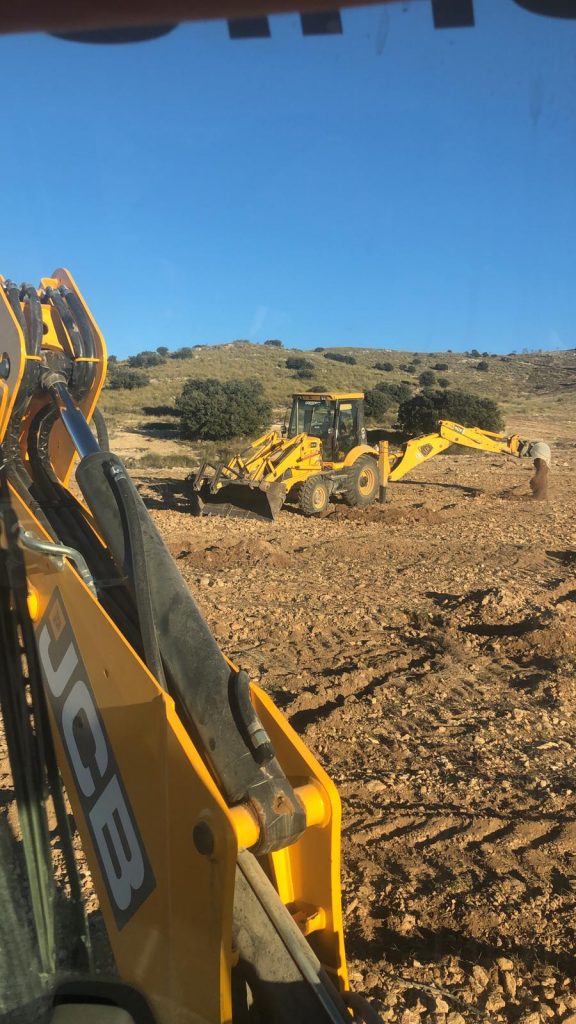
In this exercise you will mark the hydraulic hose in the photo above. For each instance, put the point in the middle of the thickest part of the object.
(80, 318)
(136, 561)
(83, 372)
(71, 525)
(129, 510)
(35, 753)
(101, 430)
(79, 313)
(13, 293)
(29, 295)
(73, 338)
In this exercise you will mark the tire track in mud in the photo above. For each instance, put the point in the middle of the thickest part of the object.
(451, 745)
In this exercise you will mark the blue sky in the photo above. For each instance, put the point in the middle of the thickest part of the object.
(396, 186)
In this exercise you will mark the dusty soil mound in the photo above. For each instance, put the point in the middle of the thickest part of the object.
(254, 551)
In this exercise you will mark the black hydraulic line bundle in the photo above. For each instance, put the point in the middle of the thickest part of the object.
(31, 752)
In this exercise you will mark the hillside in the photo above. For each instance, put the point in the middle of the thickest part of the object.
(538, 386)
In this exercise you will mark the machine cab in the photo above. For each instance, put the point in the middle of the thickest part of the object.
(336, 419)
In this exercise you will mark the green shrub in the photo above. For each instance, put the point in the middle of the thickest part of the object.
(483, 366)
(377, 403)
(320, 348)
(340, 357)
(183, 353)
(298, 363)
(427, 379)
(214, 410)
(145, 360)
(305, 373)
(420, 415)
(399, 392)
(409, 367)
(474, 353)
(444, 382)
(274, 343)
(441, 366)
(163, 351)
(123, 378)
(387, 367)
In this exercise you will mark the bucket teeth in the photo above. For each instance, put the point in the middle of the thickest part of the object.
(240, 501)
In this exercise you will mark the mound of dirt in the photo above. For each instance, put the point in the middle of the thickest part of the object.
(245, 552)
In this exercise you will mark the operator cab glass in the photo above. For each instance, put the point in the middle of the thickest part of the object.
(337, 422)
(313, 416)
(346, 428)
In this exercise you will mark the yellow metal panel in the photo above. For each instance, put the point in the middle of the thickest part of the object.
(308, 872)
(62, 451)
(177, 946)
(474, 437)
(356, 452)
(13, 345)
(417, 451)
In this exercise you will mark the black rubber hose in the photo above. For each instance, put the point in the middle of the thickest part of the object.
(85, 327)
(29, 295)
(19, 476)
(13, 293)
(74, 337)
(136, 553)
(43, 743)
(101, 430)
(83, 372)
(72, 527)
(247, 721)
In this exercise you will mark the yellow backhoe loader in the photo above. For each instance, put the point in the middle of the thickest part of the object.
(325, 453)
(211, 833)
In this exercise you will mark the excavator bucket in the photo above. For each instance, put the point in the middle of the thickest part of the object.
(239, 500)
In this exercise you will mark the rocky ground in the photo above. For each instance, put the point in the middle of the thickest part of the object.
(426, 651)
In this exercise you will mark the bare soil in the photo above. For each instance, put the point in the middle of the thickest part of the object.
(426, 652)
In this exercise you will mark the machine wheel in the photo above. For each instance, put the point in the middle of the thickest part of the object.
(314, 496)
(362, 487)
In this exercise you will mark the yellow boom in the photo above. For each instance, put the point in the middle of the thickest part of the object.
(420, 449)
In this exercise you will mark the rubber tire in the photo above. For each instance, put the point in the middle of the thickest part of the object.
(311, 502)
(355, 495)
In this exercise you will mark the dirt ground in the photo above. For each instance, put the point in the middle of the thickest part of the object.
(426, 651)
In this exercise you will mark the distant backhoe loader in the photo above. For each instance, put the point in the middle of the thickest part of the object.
(325, 453)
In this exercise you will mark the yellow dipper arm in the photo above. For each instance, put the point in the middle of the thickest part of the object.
(419, 449)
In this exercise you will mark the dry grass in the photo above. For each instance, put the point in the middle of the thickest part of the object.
(535, 385)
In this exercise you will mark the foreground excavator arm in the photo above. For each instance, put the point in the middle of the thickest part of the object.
(211, 833)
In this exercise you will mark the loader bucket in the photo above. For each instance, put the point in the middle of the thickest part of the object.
(239, 500)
